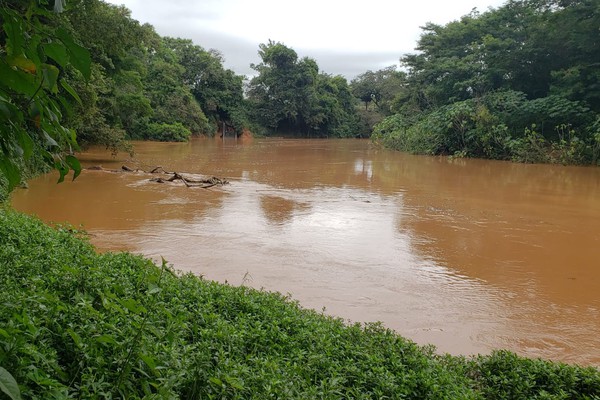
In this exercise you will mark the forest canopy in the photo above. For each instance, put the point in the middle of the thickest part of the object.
(520, 82)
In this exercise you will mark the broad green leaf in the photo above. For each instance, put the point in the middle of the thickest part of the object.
(234, 383)
(57, 52)
(63, 170)
(78, 56)
(22, 62)
(53, 117)
(8, 385)
(16, 80)
(34, 50)
(11, 172)
(50, 73)
(133, 306)
(154, 289)
(72, 135)
(70, 90)
(10, 111)
(73, 162)
(14, 30)
(150, 362)
(216, 381)
(66, 106)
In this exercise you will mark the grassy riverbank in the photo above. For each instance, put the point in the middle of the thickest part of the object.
(77, 324)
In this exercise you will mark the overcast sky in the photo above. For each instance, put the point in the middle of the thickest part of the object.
(345, 37)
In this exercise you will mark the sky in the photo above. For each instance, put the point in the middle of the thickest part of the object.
(345, 37)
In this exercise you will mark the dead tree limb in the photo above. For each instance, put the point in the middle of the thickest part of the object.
(175, 176)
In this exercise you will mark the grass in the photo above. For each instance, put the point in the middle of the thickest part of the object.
(77, 324)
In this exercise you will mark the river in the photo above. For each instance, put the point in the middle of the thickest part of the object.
(468, 255)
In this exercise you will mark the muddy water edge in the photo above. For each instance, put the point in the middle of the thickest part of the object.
(469, 255)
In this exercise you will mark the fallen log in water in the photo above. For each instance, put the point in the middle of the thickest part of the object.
(188, 182)
(174, 176)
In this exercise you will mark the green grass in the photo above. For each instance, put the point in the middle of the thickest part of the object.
(76, 324)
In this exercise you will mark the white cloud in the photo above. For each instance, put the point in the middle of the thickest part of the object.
(338, 34)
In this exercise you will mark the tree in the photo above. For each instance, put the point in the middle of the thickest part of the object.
(289, 95)
(278, 89)
(540, 55)
(171, 99)
(218, 90)
(140, 85)
(114, 106)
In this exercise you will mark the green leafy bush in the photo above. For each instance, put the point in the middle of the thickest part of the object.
(167, 132)
(502, 125)
(400, 133)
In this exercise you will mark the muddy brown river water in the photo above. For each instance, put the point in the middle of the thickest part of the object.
(469, 255)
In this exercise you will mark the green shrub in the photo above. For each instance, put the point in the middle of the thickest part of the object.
(402, 133)
(167, 132)
(501, 125)
(504, 375)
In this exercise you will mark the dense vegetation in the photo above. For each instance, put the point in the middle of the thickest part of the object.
(290, 96)
(34, 94)
(520, 82)
(77, 324)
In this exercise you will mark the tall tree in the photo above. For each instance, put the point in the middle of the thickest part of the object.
(170, 97)
(218, 90)
(290, 96)
(381, 87)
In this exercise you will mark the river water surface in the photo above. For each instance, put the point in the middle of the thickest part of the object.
(469, 255)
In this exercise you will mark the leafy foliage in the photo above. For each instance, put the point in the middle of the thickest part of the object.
(383, 88)
(172, 102)
(74, 323)
(290, 96)
(33, 90)
(500, 84)
(143, 79)
(167, 132)
(217, 90)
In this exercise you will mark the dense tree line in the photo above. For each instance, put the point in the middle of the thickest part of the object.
(145, 86)
(519, 82)
(382, 93)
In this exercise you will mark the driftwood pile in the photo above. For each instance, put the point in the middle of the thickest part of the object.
(174, 176)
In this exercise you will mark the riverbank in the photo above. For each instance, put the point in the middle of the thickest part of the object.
(76, 323)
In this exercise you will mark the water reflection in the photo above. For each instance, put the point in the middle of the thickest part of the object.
(467, 254)
(279, 210)
(362, 167)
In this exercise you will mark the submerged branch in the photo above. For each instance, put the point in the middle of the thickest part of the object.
(174, 176)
